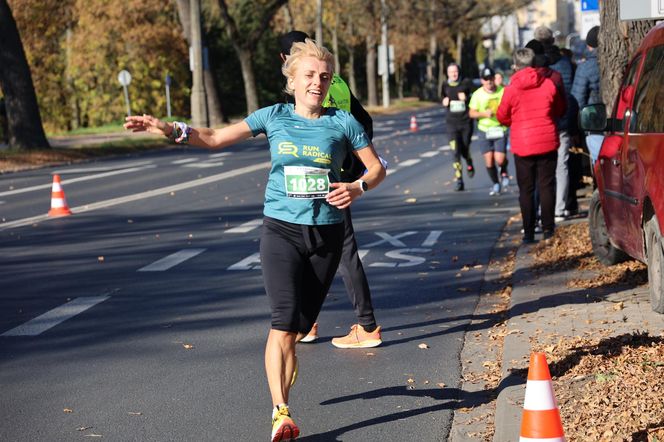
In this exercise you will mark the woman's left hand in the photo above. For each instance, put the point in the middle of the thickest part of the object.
(343, 194)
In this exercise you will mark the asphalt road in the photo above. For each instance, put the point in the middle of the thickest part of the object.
(142, 316)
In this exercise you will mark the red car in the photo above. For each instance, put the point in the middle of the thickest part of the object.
(629, 200)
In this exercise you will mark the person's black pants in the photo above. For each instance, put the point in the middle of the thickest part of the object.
(299, 263)
(461, 134)
(540, 171)
(355, 280)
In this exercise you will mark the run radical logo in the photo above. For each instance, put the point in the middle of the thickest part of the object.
(306, 151)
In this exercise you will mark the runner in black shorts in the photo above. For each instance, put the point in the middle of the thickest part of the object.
(303, 230)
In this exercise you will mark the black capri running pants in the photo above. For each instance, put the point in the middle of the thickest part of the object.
(299, 263)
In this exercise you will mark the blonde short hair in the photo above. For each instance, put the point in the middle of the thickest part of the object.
(307, 49)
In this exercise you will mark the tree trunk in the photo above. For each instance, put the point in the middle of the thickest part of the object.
(23, 118)
(441, 74)
(618, 41)
(250, 91)
(372, 93)
(215, 110)
(351, 62)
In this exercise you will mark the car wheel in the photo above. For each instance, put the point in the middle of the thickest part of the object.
(655, 252)
(605, 252)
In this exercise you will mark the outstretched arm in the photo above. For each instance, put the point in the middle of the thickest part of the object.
(202, 137)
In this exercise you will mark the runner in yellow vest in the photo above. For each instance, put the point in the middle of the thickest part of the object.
(366, 333)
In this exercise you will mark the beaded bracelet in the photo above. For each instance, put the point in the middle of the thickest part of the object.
(180, 133)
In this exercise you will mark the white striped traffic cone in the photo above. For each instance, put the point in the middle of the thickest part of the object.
(541, 417)
(58, 202)
(413, 124)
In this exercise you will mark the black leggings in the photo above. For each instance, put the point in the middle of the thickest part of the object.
(354, 278)
(461, 134)
(299, 263)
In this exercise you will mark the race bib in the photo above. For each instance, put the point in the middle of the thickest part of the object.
(457, 106)
(493, 133)
(306, 182)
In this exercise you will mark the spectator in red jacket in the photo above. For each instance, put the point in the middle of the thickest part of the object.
(531, 105)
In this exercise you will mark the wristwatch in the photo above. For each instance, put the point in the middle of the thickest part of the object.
(363, 185)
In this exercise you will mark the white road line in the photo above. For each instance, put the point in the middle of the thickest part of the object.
(101, 168)
(143, 195)
(251, 262)
(219, 155)
(54, 317)
(185, 161)
(430, 154)
(76, 180)
(432, 238)
(410, 162)
(391, 171)
(171, 260)
(205, 164)
(246, 227)
(445, 147)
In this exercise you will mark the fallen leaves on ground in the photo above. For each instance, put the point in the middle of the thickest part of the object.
(609, 388)
(570, 249)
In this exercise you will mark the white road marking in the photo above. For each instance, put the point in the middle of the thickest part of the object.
(432, 238)
(246, 227)
(185, 161)
(76, 180)
(445, 147)
(205, 164)
(251, 262)
(430, 154)
(143, 195)
(393, 240)
(54, 317)
(220, 154)
(391, 171)
(101, 168)
(410, 162)
(171, 260)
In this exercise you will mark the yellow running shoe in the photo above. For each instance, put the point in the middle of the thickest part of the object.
(283, 427)
(359, 338)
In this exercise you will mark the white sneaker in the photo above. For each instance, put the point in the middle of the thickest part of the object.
(495, 190)
(505, 182)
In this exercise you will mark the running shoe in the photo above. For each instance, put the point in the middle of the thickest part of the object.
(312, 335)
(495, 190)
(358, 338)
(283, 427)
(505, 181)
(471, 170)
(458, 187)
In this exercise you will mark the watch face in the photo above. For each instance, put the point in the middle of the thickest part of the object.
(365, 186)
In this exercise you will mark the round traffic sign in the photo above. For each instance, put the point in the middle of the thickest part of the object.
(124, 77)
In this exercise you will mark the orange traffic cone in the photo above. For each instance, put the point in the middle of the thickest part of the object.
(541, 417)
(413, 124)
(58, 202)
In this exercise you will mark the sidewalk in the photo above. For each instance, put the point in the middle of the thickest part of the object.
(542, 311)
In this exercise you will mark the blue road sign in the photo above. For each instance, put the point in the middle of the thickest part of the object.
(589, 5)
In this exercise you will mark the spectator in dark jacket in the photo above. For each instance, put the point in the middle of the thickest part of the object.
(586, 86)
(566, 203)
(531, 105)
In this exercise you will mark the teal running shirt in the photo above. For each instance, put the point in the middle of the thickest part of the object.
(306, 157)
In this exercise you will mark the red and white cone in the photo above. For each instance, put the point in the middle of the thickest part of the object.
(541, 416)
(58, 202)
(413, 124)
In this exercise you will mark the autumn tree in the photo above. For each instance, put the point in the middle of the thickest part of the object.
(215, 113)
(245, 22)
(618, 41)
(146, 40)
(24, 119)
